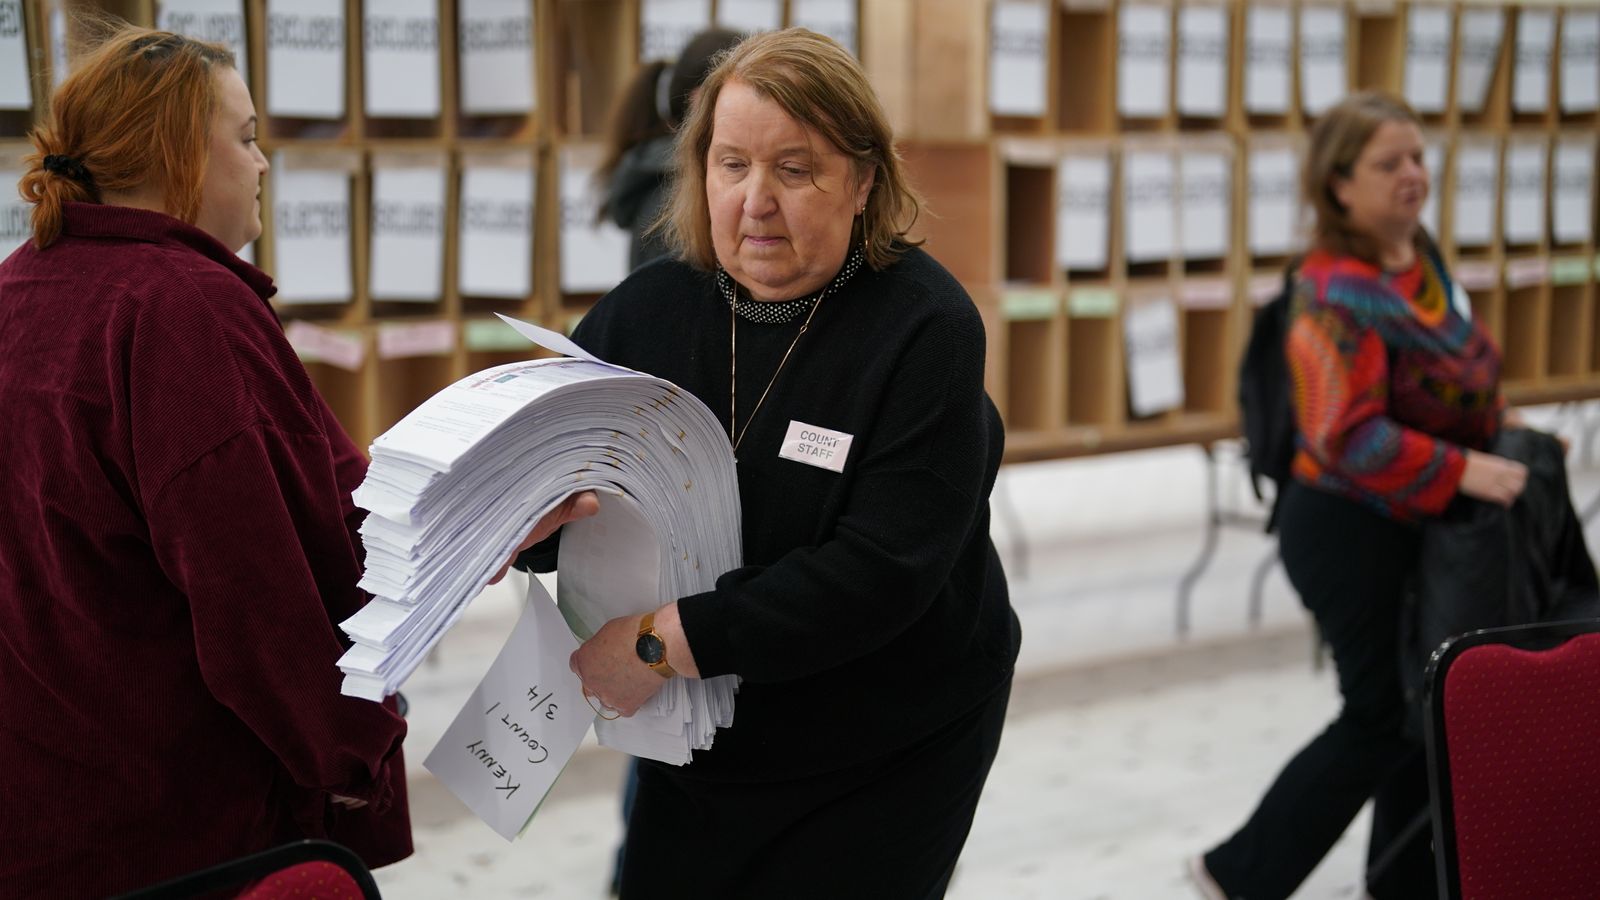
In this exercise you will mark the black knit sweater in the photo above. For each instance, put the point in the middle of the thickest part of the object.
(871, 608)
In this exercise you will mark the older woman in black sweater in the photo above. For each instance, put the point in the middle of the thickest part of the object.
(870, 623)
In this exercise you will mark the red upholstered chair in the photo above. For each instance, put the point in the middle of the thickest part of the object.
(305, 870)
(1513, 734)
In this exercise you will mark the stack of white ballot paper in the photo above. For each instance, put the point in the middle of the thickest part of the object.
(455, 486)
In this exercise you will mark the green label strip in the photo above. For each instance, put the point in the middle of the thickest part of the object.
(1092, 303)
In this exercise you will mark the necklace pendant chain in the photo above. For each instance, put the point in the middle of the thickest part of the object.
(725, 281)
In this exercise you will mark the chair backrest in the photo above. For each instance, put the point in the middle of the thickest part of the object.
(1513, 735)
(302, 869)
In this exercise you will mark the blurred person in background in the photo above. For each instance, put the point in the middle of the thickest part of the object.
(1397, 401)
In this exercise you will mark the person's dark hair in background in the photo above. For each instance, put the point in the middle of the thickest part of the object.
(633, 175)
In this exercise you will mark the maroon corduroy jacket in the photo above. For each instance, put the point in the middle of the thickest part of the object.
(177, 546)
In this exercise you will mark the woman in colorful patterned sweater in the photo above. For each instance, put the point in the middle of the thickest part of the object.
(1397, 397)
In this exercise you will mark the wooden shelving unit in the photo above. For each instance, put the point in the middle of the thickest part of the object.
(1083, 161)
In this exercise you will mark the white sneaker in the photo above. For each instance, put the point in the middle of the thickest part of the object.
(1200, 877)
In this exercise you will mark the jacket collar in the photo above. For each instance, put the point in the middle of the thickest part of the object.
(97, 220)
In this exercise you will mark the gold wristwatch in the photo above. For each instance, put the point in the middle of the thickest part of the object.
(652, 650)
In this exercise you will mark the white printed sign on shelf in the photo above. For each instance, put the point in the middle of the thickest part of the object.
(60, 62)
(520, 726)
(400, 56)
(16, 224)
(1206, 196)
(1524, 191)
(1323, 69)
(219, 21)
(594, 256)
(1477, 50)
(311, 234)
(496, 43)
(834, 18)
(1144, 45)
(1148, 197)
(1427, 65)
(665, 26)
(15, 84)
(1083, 212)
(1433, 161)
(1530, 76)
(496, 231)
(1477, 184)
(305, 59)
(1267, 45)
(750, 16)
(1580, 60)
(1019, 44)
(408, 229)
(1274, 200)
(1154, 361)
(1202, 60)
(1571, 189)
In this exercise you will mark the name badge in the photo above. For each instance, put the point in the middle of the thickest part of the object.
(816, 446)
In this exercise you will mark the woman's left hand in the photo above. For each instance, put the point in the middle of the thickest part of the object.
(611, 671)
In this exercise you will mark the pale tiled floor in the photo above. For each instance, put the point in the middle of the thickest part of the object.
(1125, 751)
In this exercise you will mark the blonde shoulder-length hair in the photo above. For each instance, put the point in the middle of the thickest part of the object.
(819, 84)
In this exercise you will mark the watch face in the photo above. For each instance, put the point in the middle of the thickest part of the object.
(650, 648)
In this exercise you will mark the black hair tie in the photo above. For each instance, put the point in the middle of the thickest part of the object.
(60, 164)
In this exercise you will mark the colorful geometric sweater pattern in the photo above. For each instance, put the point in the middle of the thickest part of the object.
(1391, 384)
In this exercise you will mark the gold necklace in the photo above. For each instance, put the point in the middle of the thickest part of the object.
(733, 371)
(731, 293)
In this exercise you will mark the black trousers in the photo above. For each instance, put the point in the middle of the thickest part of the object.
(886, 829)
(1350, 566)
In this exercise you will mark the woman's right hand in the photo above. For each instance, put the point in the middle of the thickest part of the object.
(1493, 478)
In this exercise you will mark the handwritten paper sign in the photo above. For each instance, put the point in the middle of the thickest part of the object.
(1433, 161)
(496, 41)
(401, 58)
(1476, 54)
(1572, 189)
(750, 16)
(305, 59)
(1083, 211)
(496, 231)
(1207, 200)
(1427, 65)
(311, 233)
(1477, 189)
(1530, 79)
(1019, 44)
(218, 21)
(1524, 192)
(834, 18)
(15, 221)
(665, 26)
(1323, 73)
(1147, 178)
(1155, 367)
(408, 226)
(1580, 60)
(1266, 63)
(594, 256)
(1202, 60)
(1144, 44)
(1274, 194)
(521, 725)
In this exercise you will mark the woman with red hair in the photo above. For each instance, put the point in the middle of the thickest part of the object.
(177, 539)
